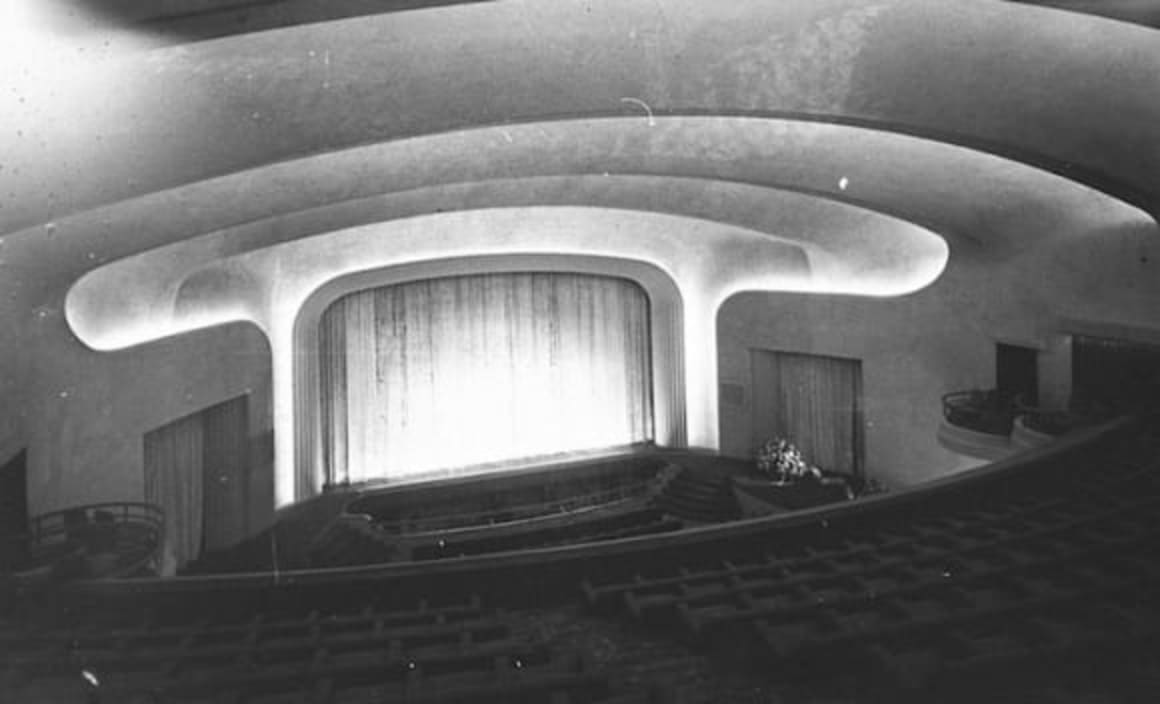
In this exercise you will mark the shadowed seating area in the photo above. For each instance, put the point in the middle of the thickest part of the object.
(988, 582)
(573, 352)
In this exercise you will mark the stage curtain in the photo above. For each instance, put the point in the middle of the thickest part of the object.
(812, 401)
(462, 371)
(173, 481)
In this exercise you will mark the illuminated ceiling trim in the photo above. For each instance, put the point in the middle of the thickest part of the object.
(193, 284)
(780, 178)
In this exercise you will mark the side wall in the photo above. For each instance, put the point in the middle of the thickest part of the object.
(86, 412)
(917, 347)
(89, 410)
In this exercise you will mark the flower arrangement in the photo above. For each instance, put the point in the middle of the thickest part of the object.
(779, 460)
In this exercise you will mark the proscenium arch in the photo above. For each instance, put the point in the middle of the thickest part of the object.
(707, 259)
(665, 338)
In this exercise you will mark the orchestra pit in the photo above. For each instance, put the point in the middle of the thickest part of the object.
(579, 352)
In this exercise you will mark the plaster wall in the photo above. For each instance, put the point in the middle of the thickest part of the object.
(995, 75)
(86, 411)
(87, 416)
(916, 347)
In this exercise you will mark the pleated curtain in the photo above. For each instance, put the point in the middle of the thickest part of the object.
(461, 371)
(226, 473)
(173, 481)
(812, 401)
(197, 469)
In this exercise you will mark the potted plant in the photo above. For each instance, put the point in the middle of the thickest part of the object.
(779, 460)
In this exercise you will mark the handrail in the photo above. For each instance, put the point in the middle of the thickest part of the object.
(40, 525)
(426, 524)
(981, 410)
(77, 532)
(1057, 421)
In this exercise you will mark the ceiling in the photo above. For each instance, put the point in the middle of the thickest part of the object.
(191, 20)
(976, 120)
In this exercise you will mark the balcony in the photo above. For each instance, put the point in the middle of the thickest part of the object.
(989, 425)
(98, 541)
(977, 423)
(1036, 426)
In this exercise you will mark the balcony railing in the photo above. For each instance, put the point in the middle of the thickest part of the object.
(108, 540)
(1056, 422)
(983, 411)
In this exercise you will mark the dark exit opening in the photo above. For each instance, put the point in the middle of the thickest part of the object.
(1017, 372)
(14, 512)
(1119, 376)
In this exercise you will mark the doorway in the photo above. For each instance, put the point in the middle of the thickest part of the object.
(14, 512)
(813, 401)
(1017, 373)
(197, 471)
(1118, 376)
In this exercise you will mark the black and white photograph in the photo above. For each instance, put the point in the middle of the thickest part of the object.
(579, 351)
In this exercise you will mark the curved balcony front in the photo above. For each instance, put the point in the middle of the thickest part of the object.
(977, 423)
(95, 541)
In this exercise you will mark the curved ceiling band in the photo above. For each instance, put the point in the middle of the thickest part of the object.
(184, 287)
(1005, 78)
(885, 171)
(778, 178)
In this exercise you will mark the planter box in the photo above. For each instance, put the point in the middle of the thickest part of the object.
(761, 497)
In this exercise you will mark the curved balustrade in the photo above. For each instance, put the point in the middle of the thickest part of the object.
(106, 540)
(983, 411)
(1057, 421)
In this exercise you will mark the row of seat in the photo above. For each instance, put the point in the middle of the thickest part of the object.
(641, 520)
(907, 594)
(682, 497)
(446, 653)
(913, 598)
(482, 500)
(352, 543)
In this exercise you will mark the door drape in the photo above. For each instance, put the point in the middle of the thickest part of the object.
(462, 371)
(197, 469)
(173, 481)
(226, 473)
(812, 401)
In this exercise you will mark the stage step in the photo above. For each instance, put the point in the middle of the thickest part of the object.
(698, 496)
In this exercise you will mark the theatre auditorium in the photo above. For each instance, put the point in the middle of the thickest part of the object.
(579, 351)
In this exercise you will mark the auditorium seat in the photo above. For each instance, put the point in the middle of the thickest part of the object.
(994, 582)
(991, 582)
(579, 529)
(450, 653)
